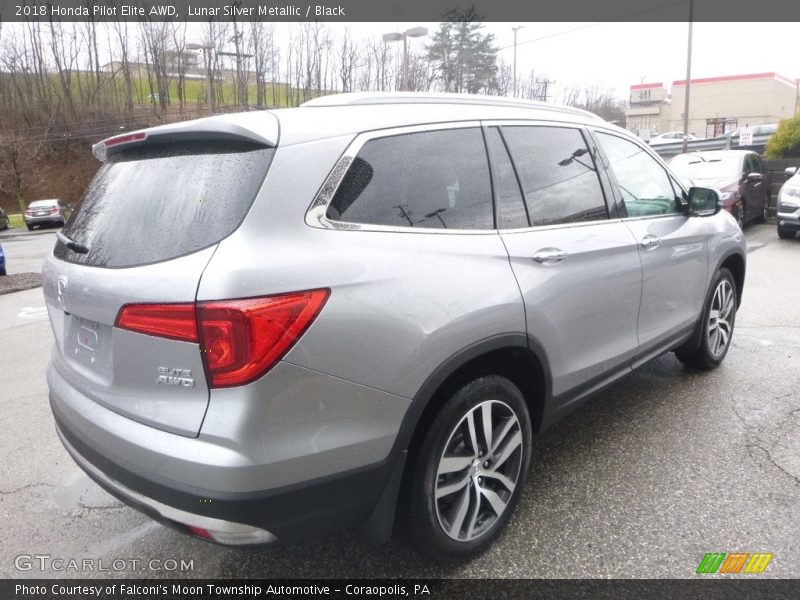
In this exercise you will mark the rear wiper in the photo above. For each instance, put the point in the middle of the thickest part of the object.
(72, 244)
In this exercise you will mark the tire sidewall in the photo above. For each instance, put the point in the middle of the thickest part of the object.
(424, 526)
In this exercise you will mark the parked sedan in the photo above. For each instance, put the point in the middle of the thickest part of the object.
(2, 262)
(739, 175)
(670, 137)
(789, 205)
(47, 212)
(4, 223)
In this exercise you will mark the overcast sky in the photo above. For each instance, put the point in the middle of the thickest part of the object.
(621, 54)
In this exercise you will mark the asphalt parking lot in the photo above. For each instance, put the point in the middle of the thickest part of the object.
(664, 466)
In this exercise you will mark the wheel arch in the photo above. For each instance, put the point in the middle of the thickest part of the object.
(517, 356)
(736, 264)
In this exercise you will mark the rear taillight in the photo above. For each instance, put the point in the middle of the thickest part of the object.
(240, 340)
(29, 212)
(173, 321)
(53, 210)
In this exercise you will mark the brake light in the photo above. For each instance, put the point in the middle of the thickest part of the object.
(100, 150)
(125, 139)
(172, 321)
(29, 212)
(53, 210)
(240, 340)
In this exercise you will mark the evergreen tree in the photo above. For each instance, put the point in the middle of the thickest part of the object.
(464, 59)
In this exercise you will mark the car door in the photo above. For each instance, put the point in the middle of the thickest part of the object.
(672, 245)
(578, 270)
(758, 185)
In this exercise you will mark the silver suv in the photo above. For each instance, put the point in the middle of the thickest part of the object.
(359, 312)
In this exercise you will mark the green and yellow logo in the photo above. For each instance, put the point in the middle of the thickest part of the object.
(734, 562)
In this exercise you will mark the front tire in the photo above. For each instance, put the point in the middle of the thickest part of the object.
(719, 316)
(785, 234)
(739, 215)
(470, 469)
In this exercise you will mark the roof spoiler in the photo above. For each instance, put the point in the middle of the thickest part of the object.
(262, 128)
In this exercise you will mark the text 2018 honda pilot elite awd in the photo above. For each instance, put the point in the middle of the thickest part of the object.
(357, 313)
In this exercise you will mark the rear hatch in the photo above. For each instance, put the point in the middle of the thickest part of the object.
(146, 228)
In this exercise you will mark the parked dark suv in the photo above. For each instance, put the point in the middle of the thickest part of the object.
(360, 311)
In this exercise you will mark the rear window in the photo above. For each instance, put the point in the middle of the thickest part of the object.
(156, 202)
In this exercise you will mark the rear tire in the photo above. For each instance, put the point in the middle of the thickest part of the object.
(469, 472)
(30, 227)
(762, 218)
(2, 272)
(785, 234)
(717, 322)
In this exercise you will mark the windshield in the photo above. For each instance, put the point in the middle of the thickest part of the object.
(156, 202)
(699, 167)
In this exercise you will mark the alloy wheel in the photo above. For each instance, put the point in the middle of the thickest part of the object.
(478, 470)
(720, 319)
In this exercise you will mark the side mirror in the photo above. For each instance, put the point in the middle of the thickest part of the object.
(703, 202)
(790, 172)
(755, 177)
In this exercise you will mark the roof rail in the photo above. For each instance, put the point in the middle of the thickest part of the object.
(377, 98)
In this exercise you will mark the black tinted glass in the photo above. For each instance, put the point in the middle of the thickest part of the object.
(435, 179)
(557, 173)
(156, 202)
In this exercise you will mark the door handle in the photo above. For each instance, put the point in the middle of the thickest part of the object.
(550, 256)
(650, 242)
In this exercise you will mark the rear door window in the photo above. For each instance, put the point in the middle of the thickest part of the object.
(156, 202)
(558, 175)
(430, 179)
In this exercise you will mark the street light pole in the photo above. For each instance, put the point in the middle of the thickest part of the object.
(515, 29)
(404, 83)
(396, 37)
(688, 81)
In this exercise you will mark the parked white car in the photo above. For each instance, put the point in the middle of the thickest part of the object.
(671, 137)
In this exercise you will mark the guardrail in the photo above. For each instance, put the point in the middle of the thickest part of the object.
(667, 151)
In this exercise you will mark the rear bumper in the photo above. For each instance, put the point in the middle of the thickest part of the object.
(54, 218)
(207, 482)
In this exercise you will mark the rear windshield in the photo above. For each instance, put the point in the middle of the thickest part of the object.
(159, 201)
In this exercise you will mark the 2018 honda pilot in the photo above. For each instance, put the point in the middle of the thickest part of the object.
(357, 313)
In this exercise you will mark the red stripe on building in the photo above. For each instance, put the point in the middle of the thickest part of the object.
(644, 86)
(737, 78)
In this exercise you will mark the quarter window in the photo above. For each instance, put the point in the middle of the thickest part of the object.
(645, 186)
(558, 175)
(431, 179)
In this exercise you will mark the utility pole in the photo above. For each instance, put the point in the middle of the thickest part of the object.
(688, 81)
(515, 29)
(545, 83)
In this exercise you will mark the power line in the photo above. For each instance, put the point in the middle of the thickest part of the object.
(582, 27)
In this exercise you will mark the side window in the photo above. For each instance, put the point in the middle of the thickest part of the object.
(558, 176)
(431, 179)
(511, 212)
(645, 186)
